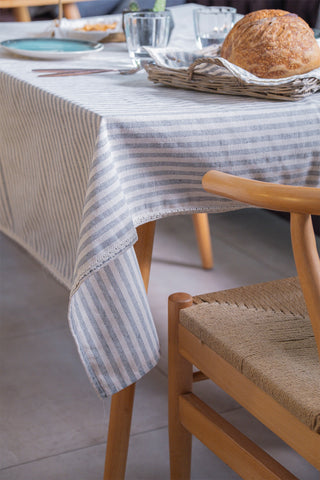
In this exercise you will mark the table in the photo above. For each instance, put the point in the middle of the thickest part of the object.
(87, 160)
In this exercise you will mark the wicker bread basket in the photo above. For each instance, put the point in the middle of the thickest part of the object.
(213, 74)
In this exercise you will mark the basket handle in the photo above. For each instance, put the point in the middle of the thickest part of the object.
(199, 61)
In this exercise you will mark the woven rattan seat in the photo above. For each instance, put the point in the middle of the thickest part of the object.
(264, 331)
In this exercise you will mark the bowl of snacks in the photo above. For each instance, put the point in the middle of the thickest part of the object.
(93, 29)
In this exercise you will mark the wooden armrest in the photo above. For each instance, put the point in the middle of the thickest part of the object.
(273, 196)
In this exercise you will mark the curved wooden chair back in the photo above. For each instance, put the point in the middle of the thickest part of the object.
(21, 12)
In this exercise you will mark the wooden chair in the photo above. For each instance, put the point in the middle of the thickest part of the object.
(21, 12)
(260, 344)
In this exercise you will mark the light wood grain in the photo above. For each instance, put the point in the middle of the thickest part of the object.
(296, 434)
(202, 231)
(180, 379)
(234, 448)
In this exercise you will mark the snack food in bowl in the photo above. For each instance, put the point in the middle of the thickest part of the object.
(97, 27)
(93, 29)
(272, 44)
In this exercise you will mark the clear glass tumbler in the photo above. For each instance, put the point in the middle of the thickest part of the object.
(146, 29)
(212, 24)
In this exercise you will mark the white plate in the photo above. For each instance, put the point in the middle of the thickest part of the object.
(70, 28)
(50, 48)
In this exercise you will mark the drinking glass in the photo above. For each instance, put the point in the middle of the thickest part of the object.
(146, 29)
(211, 24)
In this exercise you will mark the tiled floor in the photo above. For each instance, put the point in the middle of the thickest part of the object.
(52, 424)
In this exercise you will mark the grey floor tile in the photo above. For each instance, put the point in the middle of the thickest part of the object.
(47, 404)
(254, 232)
(150, 410)
(31, 300)
(84, 464)
(148, 459)
(260, 234)
(215, 397)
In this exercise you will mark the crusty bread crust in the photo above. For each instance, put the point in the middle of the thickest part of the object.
(272, 44)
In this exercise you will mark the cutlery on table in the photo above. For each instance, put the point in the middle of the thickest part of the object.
(67, 72)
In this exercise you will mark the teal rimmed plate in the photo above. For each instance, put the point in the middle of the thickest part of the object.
(50, 48)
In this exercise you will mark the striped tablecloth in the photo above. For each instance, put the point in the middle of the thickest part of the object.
(85, 160)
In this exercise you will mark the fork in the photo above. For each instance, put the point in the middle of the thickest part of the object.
(68, 72)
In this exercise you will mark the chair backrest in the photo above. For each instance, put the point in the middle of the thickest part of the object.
(301, 203)
(21, 12)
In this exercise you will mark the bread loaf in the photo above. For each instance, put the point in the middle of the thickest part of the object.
(272, 44)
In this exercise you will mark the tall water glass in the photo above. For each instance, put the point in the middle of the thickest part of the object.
(212, 24)
(146, 29)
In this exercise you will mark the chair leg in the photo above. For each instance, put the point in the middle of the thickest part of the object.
(122, 402)
(21, 14)
(71, 11)
(180, 381)
(202, 230)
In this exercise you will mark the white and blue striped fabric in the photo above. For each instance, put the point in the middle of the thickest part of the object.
(85, 160)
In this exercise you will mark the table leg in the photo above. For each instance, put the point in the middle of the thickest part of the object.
(122, 402)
